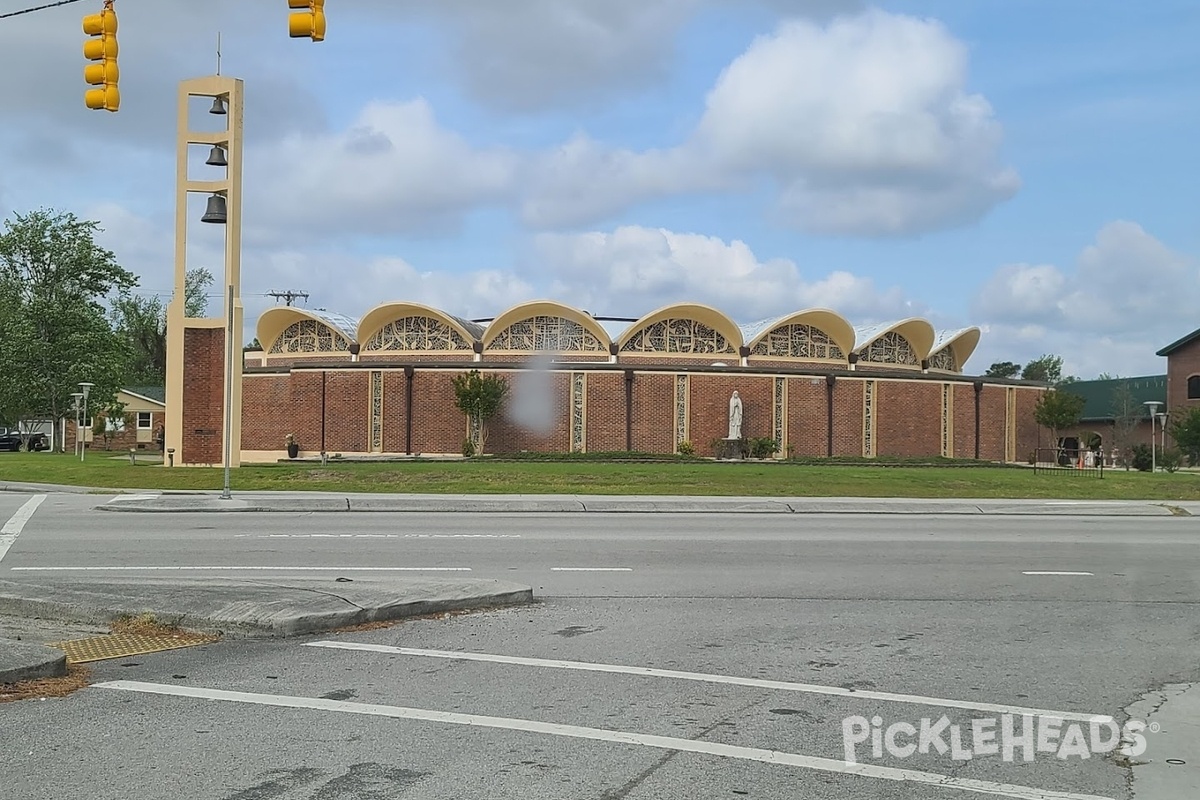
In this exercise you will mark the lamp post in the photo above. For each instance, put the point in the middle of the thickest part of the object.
(87, 388)
(1152, 405)
(77, 398)
(1162, 431)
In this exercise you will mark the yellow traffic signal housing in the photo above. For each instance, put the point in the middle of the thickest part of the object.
(310, 22)
(102, 48)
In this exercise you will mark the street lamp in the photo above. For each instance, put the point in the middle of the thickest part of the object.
(77, 397)
(1152, 405)
(87, 389)
(1162, 431)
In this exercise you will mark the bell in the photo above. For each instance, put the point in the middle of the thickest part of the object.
(218, 106)
(216, 158)
(215, 211)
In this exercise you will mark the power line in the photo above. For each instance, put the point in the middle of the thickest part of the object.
(38, 8)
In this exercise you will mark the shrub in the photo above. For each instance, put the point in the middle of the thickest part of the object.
(1142, 459)
(686, 449)
(763, 447)
(468, 448)
(1170, 460)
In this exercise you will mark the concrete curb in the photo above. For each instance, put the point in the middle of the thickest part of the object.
(525, 504)
(22, 661)
(256, 608)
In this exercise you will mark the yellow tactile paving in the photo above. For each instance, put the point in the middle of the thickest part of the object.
(120, 645)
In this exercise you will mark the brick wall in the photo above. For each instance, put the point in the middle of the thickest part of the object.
(266, 411)
(654, 412)
(605, 412)
(708, 408)
(908, 418)
(304, 417)
(992, 417)
(908, 413)
(848, 417)
(536, 414)
(1181, 364)
(964, 420)
(807, 417)
(347, 412)
(203, 396)
(438, 425)
(394, 411)
(1028, 432)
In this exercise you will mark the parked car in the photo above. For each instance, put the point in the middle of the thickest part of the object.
(11, 440)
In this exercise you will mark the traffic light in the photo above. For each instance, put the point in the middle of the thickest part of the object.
(310, 22)
(102, 49)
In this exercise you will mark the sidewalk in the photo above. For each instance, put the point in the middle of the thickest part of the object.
(183, 501)
(263, 502)
(233, 608)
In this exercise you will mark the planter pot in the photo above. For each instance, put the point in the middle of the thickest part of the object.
(293, 450)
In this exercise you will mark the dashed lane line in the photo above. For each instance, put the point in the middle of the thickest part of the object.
(591, 569)
(12, 529)
(758, 683)
(1047, 572)
(815, 763)
(242, 569)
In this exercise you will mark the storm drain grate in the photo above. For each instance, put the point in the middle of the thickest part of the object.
(120, 645)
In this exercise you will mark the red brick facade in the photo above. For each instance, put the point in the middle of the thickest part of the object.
(369, 408)
(1182, 364)
(204, 401)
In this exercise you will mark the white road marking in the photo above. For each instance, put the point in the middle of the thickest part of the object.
(1056, 573)
(757, 683)
(601, 735)
(12, 529)
(591, 569)
(377, 536)
(129, 498)
(244, 569)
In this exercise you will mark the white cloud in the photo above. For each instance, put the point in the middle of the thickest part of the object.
(633, 270)
(529, 55)
(1128, 296)
(864, 126)
(395, 170)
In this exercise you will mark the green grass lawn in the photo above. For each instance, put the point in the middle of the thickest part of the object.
(102, 470)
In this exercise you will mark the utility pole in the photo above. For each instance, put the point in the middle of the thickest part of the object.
(289, 295)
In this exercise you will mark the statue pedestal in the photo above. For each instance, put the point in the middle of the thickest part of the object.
(729, 450)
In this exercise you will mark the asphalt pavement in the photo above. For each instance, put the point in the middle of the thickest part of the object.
(667, 656)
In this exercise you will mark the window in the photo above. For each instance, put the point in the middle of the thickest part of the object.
(1194, 387)
(144, 420)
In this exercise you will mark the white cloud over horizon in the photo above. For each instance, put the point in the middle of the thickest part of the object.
(1128, 296)
(862, 126)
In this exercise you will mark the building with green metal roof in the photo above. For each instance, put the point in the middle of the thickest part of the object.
(1102, 396)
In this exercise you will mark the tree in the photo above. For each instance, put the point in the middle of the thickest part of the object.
(143, 323)
(111, 420)
(1185, 430)
(480, 398)
(1057, 409)
(1047, 369)
(1003, 369)
(1126, 414)
(195, 292)
(56, 333)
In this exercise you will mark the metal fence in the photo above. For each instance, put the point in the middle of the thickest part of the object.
(1069, 461)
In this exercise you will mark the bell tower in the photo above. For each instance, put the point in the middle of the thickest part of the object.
(204, 355)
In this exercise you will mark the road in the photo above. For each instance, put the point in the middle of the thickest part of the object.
(670, 656)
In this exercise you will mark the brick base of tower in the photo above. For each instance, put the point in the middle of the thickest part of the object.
(203, 396)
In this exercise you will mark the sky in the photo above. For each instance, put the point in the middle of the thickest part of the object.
(1026, 167)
